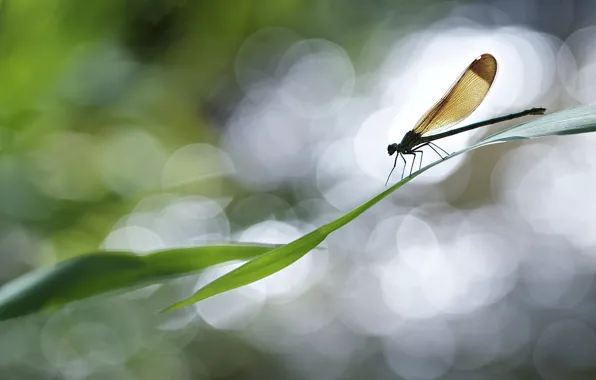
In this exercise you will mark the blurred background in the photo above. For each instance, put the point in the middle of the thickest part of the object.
(152, 124)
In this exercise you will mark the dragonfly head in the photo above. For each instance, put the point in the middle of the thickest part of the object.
(392, 148)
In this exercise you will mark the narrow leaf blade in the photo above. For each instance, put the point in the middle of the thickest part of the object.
(93, 274)
(256, 269)
(572, 121)
(568, 122)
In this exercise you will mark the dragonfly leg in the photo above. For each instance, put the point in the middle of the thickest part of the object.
(404, 169)
(433, 146)
(411, 166)
(421, 157)
(393, 168)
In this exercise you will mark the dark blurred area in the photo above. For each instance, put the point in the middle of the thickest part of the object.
(143, 125)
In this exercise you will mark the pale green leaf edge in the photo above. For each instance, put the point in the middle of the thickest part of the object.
(571, 121)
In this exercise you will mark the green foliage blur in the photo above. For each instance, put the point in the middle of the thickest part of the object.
(95, 95)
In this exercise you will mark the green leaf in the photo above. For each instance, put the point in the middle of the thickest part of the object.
(271, 262)
(567, 122)
(572, 121)
(98, 273)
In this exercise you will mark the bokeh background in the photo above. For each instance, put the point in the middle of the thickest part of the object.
(152, 124)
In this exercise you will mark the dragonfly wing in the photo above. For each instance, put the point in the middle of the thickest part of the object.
(464, 96)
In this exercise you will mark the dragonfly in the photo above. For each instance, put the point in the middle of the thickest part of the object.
(464, 96)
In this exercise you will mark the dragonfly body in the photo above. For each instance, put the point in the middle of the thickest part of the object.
(410, 141)
(464, 96)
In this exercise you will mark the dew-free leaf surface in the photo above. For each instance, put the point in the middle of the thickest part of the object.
(571, 121)
(98, 273)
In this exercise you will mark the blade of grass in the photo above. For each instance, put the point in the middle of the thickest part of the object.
(93, 274)
(572, 121)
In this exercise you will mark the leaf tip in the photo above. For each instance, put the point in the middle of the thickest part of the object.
(182, 303)
(172, 307)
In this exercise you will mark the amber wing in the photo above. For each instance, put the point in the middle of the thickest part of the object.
(462, 99)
